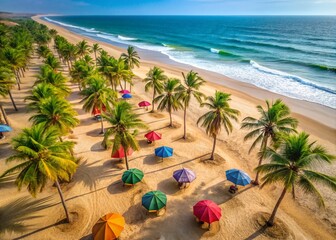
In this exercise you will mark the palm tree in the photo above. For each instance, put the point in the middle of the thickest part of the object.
(98, 95)
(131, 58)
(125, 125)
(192, 84)
(218, 117)
(41, 158)
(273, 121)
(6, 83)
(52, 62)
(169, 99)
(106, 64)
(43, 51)
(15, 59)
(80, 72)
(155, 78)
(56, 79)
(120, 72)
(83, 48)
(56, 112)
(292, 165)
(96, 48)
(40, 92)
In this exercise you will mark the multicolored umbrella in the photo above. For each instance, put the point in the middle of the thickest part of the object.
(154, 200)
(126, 96)
(207, 211)
(120, 153)
(132, 176)
(164, 152)
(5, 128)
(184, 175)
(108, 227)
(144, 104)
(238, 177)
(125, 91)
(153, 136)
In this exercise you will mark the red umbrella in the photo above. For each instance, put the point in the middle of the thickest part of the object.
(153, 136)
(96, 111)
(207, 211)
(124, 91)
(144, 104)
(120, 153)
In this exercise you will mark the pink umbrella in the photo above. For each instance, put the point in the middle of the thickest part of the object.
(124, 91)
(144, 104)
(207, 211)
(120, 153)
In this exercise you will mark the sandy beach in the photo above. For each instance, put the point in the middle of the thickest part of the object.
(96, 188)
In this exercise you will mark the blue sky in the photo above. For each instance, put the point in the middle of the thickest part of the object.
(173, 7)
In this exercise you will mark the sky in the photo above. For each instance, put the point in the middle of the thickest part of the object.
(172, 7)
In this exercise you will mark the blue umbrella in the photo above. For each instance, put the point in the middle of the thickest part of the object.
(5, 128)
(238, 177)
(126, 95)
(164, 152)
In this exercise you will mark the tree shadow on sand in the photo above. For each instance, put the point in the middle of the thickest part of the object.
(90, 172)
(13, 214)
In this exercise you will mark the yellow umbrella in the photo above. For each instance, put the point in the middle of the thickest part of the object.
(108, 227)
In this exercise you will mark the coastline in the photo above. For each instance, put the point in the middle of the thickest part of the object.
(309, 112)
(96, 187)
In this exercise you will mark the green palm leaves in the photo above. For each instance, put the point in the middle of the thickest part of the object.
(41, 158)
(57, 112)
(131, 58)
(292, 165)
(98, 95)
(124, 128)
(155, 79)
(169, 99)
(220, 115)
(192, 83)
(273, 122)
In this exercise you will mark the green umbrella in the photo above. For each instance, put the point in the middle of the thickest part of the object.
(154, 200)
(132, 176)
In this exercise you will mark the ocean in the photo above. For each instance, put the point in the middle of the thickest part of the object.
(294, 56)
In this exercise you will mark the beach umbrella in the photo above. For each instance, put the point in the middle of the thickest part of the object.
(108, 227)
(164, 152)
(154, 200)
(207, 211)
(144, 104)
(184, 175)
(124, 91)
(153, 136)
(120, 153)
(132, 176)
(5, 128)
(238, 177)
(126, 96)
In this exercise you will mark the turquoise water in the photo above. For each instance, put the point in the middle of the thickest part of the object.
(293, 56)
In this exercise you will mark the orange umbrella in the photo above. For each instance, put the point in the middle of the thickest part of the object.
(108, 227)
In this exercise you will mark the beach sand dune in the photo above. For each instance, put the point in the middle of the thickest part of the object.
(96, 188)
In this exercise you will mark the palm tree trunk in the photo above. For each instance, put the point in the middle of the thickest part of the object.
(11, 97)
(17, 80)
(262, 149)
(63, 202)
(270, 221)
(185, 121)
(22, 72)
(101, 122)
(111, 82)
(153, 101)
(3, 112)
(125, 84)
(121, 86)
(126, 159)
(95, 54)
(170, 118)
(79, 86)
(213, 148)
